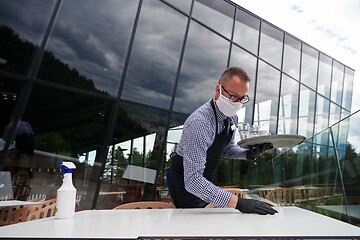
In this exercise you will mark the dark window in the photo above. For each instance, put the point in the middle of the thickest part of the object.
(22, 26)
(88, 44)
(155, 55)
(201, 68)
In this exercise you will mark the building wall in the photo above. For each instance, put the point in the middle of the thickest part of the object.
(109, 83)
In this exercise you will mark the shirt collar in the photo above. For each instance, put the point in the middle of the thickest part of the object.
(220, 115)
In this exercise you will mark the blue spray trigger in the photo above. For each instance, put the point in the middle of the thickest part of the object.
(66, 167)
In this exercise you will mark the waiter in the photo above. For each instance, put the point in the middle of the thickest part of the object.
(208, 135)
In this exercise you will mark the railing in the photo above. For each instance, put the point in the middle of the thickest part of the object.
(321, 174)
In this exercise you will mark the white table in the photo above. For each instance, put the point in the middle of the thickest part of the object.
(11, 203)
(293, 222)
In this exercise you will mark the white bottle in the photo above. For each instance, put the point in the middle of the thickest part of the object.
(66, 194)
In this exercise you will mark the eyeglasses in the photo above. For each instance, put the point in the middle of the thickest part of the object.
(234, 98)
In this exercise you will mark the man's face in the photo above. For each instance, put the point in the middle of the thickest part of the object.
(235, 86)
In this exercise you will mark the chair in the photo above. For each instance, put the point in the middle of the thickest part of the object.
(36, 200)
(5, 213)
(44, 212)
(36, 195)
(281, 196)
(145, 205)
(21, 214)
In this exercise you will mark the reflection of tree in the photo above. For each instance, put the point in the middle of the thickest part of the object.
(17, 52)
(70, 117)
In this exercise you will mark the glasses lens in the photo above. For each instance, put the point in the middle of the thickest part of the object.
(245, 99)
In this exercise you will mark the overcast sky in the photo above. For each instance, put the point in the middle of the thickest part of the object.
(332, 26)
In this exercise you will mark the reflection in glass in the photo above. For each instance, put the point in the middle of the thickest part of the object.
(201, 68)
(291, 63)
(348, 88)
(271, 44)
(246, 61)
(324, 75)
(288, 108)
(137, 141)
(246, 32)
(89, 55)
(321, 119)
(67, 127)
(10, 90)
(154, 59)
(337, 82)
(218, 15)
(266, 105)
(22, 25)
(306, 112)
(183, 5)
(309, 66)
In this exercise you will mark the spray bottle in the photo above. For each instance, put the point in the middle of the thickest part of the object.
(66, 194)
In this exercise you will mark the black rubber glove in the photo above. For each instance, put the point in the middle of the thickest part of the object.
(257, 149)
(254, 206)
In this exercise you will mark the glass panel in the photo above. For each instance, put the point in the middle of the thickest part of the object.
(135, 157)
(9, 95)
(22, 25)
(288, 112)
(291, 63)
(201, 68)
(246, 61)
(266, 105)
(154, 60)
(306, 112)
(337, 82)
(87, 54)
(351, 173)
(321, 119)
(334, 114)
(348, 88)
(66, 127)
(183, 5)
(246, 32)
(324, 75)
(309, 66)
(218, 15)
(271, 44)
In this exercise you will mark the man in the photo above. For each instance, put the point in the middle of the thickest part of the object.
(207, 137)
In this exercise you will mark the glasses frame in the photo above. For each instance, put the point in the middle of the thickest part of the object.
(234, 98)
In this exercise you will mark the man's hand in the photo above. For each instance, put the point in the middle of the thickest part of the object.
(257, 149)
(254, 206)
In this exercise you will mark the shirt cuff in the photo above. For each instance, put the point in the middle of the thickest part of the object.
(222, 199)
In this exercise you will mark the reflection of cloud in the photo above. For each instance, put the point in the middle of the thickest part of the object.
(201, 68)
(354, 131)
(27, 18)
(155, 54)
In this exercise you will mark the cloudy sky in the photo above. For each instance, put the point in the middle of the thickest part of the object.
(328, 25)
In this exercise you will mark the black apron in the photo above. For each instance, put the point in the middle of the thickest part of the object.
(175, 174)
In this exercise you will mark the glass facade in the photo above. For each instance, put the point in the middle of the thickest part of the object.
(108, 86)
